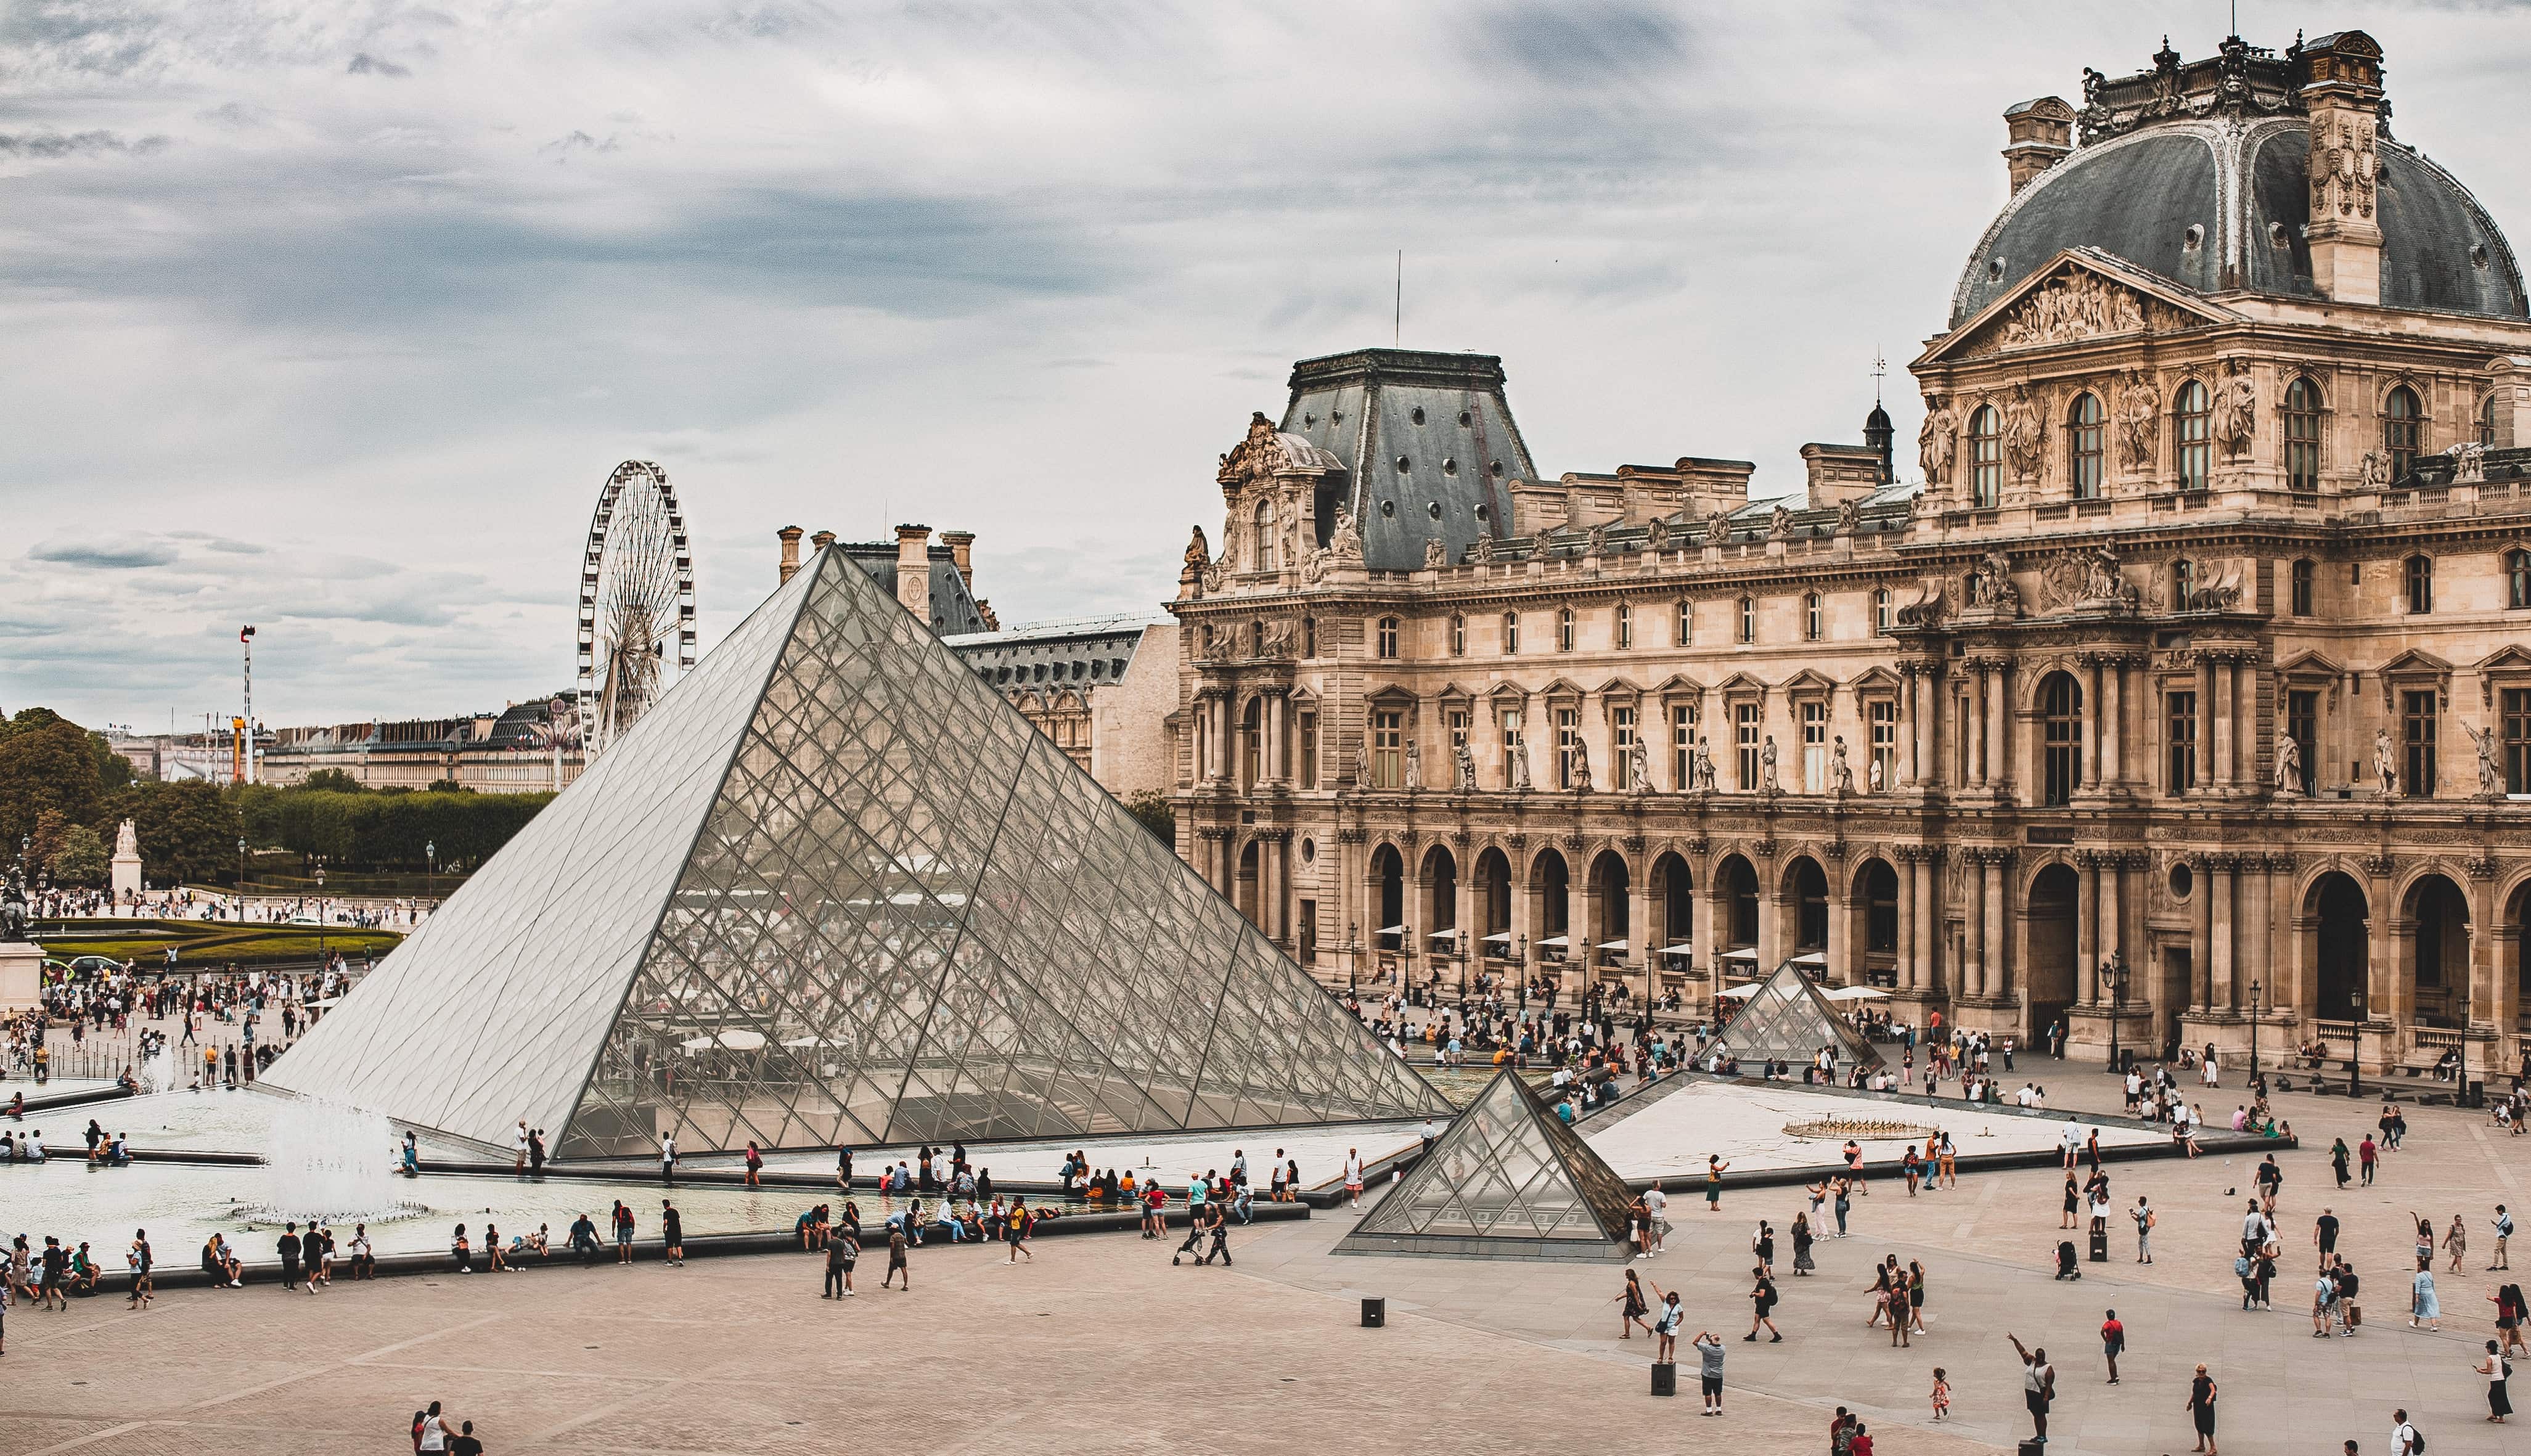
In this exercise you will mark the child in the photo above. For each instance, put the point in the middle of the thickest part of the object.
(1941, 1393)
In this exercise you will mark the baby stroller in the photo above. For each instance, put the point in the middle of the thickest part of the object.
(2066, 1267)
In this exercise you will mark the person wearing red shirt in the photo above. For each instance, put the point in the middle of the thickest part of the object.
(2113, 1340)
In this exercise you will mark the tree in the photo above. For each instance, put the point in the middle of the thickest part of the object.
(1152, 808)
(332, 781)
(47, 763)
(83, 860)
(187, 832)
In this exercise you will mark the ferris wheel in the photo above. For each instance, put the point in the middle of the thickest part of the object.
(636, 604)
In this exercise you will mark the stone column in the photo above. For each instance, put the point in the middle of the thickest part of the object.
(1714, 927)
(1911, 710)
(1224, 751)
(2113, 720)
(1999, 733)
(2200, 937)
(1841, 968)
(1973, 726)
(1639, 931)
(2088, 762)
(1971, 982)
(2087, 930)
(1269, 885)
(1770, 915)
(1278, 766)
(2483, 939)
(2226, 980)
(1908, 970)
(1465, 943)
(1928, 920)
(1995, 981)
(2209, 760)
(1524, 935)
(2227, 708)
(2113, 926)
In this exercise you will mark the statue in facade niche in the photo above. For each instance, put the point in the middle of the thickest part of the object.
(1230, 543)
(1991, 583)
(1717, 530)
(1482, 549)
(1656, 534)
(1875, 776)
(1838, 772)
(1463, 768)
(1198, 555)
(2139, 423)
(2384, 767)
(1516, 768)
(1362, 762)
(1599, 539)
(1938, 440)
(2236, 410)
(1437, 554)
(1413, 765)
(1345, 540)
(1581, 767)
(2491, 773)
(1638, 767)
(2288, 764)
(2022, 432)
(1849, 515)
(1766, 766)
(1779, 525)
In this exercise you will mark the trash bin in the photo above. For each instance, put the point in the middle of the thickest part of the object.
(2474, 1094)
(1375, 1312)
(1664, 1378)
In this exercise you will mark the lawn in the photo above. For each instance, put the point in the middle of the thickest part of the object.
(205, 944)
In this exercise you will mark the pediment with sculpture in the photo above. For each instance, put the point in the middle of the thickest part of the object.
(2075, 301)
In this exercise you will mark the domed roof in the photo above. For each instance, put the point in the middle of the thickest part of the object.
(2215, 197)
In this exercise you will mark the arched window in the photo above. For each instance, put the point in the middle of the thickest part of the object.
(1625, 625)
(2083, 443)
(2420, 581)
(1389, 637)
(1458, 636)
(1986, 458)
(2517, 578)
(2399, 420)
(2306, 574)
(2184, 582)
(1881, 612)
(1263, 537)
(1748, 619)
(1564, 629)
(2486, 422)
(1256, 638)
(1813, 625)
(1511, 634)
(2060, 707)
(2192, 437)
(2303, 436)
(1686, 623)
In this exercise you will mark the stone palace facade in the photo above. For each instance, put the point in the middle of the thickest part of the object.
(2185, 697)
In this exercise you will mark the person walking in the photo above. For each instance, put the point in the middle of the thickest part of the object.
(1761, 1300)
(623, 1233)
(2337, 1157)
(142, 1260)
(2456, 1243)
(2324, 1236)
(1762, 1243)
(2073, 1195)
(841, 1254)
(667, 1160)
(2145, 1220)
(1708, 1350)
(1353, 1176)
(672, 1234)
(2422, 1304)
(896, 1259)
(2200, 1405)
(2498, 1370)
(2367, 1154)
(2038, 1384)
(1802, 1240)
(1631, 1315)
(2510, 1315)
(2504, 1225)
(1916, 1296)
(2114, 1341)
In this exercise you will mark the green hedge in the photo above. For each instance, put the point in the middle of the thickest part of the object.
(371, 831)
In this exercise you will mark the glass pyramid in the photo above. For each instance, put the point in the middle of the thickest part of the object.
(1507, 1180)
(833, 889)
(1788, 1019)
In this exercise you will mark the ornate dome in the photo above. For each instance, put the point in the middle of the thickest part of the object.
(2201, 173)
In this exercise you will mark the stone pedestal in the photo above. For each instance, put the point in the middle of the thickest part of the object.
(127, 877)
(22, 975)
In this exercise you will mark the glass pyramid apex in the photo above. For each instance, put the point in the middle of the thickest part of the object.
(835, 889)
(1507, 1180)
(1788, 1019)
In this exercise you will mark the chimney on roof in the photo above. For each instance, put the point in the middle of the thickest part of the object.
(962, 550)
(2341, 89)
(2042, 133)
(913, 570)
(790, 537)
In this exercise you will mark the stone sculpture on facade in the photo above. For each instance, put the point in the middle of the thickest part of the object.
(2077, 306)
(1362, 762)
(2139, 423)
(1839, 774)
(1437, 554)
(1656, 534)
(2236, 410)
(1849, 515)
(1581, 761)
(1482, 549)
(1780, 525)
(2374, 470)
(1253, 460)
(1413, 765)
(1766, 766)
(1463, 768)
(1346, 540)
(2384, 767)
(2023, 435)
(1516, 765)
(1875, 775)
(2288, 764)
(1198, 555)
(2491, 770)
(1717, 530)
(1700, 769)
(1938, 440)
(1599, 541)
(1991, 584)
(1638, 767)
(2469, 462)
(2342, 163)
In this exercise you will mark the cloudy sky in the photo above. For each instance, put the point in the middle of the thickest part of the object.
(333, 318)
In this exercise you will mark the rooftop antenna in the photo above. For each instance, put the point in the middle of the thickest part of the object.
(1397, 318)
(1879, 366)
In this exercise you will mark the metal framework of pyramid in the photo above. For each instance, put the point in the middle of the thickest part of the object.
(833, 889)
(1507, 1180)
(1788, 1019)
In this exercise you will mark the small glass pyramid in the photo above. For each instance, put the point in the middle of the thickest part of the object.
(1788, 1019)
(833, 889)
(1507, 1180)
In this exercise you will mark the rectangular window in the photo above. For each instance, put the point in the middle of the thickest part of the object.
(1625, 625)
(2082, 434)
(2421, 585)
(1885, 744)
(1682, 743)
(1511, 634)
(2302, 725)
(2303, 574)
(1309, 750)
(2517, 741)
(1458, 636)
(1748, 619)
(1568, 733)
(1455, 723)
(1621, 733)
(1744, 738)
(1510, 720)
(1308, 637)
(1308, 932)
(2179, 741)
(1686, 623)
(1814, 748)
(2417, 718)
(1388, 748)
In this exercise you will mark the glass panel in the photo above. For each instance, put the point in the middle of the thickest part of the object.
(1509, 1168)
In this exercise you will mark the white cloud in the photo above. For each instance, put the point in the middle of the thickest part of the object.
(380, 294)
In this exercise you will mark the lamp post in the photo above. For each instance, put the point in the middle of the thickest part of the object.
(430, 874)
(321, 917)
(241, 886)
(2355, 1046)
(2254, 1031)
(2114, 971)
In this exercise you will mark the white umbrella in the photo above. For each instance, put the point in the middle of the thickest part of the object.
(1556, 941)
(1612, 945)
(742, 1040)
(1857, 993)
(1746, 988)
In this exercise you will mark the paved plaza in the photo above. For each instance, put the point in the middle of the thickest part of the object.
(1100, 1344)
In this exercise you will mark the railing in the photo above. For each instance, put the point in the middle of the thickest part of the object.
(2428, 1038)
(2335, 1031)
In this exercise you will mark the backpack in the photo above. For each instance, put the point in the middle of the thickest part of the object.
(2416, 1443)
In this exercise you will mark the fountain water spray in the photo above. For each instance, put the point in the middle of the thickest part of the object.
(158, 1071)
(330, 1162)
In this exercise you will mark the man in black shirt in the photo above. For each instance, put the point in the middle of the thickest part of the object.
(57, 1273)
(290, 1256)
(672, 1233)
(2325, 1234)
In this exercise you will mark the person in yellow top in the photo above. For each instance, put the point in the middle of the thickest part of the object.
(1125, 1188)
